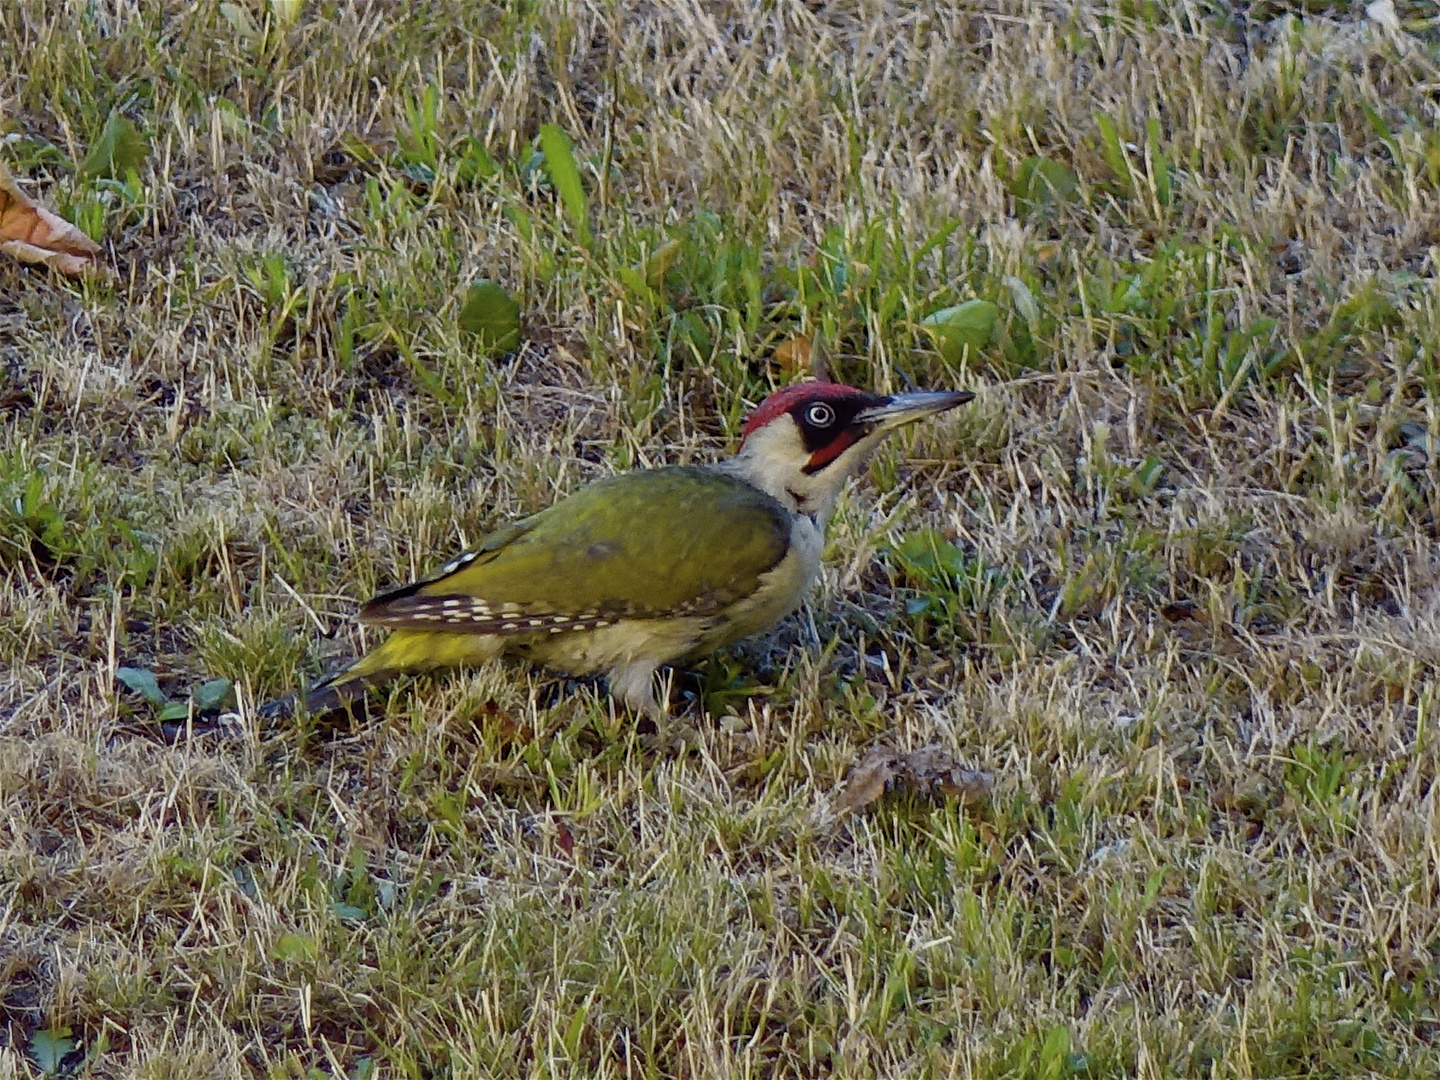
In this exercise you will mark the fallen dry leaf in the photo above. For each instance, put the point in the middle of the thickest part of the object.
(1383, 12)
(928, 772)
(33, 234)
(565, 839)
(500, 721)
(654, 269)
(867, 780)
(792, 356)
(933, 770)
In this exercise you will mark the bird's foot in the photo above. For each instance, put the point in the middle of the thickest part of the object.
(671, 737)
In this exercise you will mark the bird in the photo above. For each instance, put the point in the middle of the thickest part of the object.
(646, 568)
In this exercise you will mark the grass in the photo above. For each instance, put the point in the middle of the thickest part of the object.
(1172, 578)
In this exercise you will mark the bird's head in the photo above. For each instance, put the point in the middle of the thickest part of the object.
(803, 442)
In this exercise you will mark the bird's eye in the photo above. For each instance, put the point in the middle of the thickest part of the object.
(820, 415)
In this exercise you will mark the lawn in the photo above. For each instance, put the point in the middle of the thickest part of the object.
(1171, 581)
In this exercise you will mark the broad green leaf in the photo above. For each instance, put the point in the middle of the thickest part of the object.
(1382, 131)
(475, 162)
(967, 326)
(287, 12)
(50, 1047)
(295, 947)
(357, 148)
(832, 262)
(659, 263)
(240, 20)
(927, 556)
(1114, 152)
(1040, 180)
(563, 173)
(492, 316)
(174, 710)
(575, 1031)
(520, 218)
(212, 694)
(1055, 1052)
(142, 682)
(232, 122)
(347, 911)
(1024, 301)
(637, 284)
(119, 150)
(419, 172)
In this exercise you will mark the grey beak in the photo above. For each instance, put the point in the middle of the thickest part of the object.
(900, 409)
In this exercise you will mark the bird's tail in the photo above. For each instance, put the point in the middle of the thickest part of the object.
(405, 651)
(340, 689)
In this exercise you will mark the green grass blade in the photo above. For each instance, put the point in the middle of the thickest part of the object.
(565, 175)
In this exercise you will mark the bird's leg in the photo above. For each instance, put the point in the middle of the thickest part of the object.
(634, 684)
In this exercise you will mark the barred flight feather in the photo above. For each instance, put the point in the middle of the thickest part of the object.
(475, 615)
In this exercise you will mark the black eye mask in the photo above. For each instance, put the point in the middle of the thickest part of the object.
(826, 441)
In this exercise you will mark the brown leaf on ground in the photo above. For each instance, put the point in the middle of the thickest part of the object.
(933, 770)
(929, 772)
(33, 234)
(565, 839)
(793, 356)
(502, 722)
(867, 780)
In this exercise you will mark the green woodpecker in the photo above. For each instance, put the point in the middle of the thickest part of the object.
(652, 567)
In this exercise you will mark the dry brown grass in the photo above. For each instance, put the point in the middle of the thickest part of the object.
(1189, 620)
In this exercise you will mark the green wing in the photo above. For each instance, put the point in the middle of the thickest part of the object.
(671, 541)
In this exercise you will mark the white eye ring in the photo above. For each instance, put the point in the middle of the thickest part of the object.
(820, 414)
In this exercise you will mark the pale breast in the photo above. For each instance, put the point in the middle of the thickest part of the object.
(588, 652)
(781, 590)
